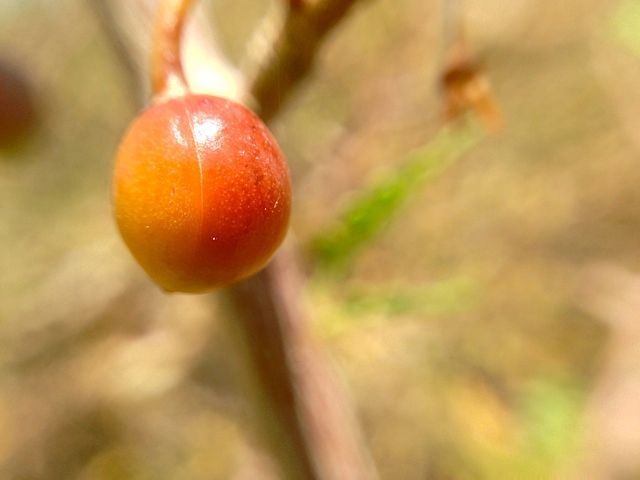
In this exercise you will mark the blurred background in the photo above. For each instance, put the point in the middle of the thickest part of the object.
(479, 293)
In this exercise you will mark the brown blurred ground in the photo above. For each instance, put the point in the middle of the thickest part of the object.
(481, 333)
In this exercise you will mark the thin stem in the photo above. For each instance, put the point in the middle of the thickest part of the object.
(293, 51)
(451, 21)
(305, 417)
(105, 15)
(167, 75)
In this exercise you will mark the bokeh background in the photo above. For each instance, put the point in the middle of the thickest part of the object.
(479, 295)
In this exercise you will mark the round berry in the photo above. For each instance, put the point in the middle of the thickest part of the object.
(201, 192)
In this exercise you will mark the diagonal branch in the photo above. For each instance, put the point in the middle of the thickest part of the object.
(303, 408)
(106, 16)
(293, 52)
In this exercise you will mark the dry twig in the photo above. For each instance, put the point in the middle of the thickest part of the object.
(292, 53)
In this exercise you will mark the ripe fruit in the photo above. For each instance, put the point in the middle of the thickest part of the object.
(201, 192)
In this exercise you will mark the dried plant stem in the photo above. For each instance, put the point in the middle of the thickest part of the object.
(167, 74)
(304, 413)
(109, 24)
(291, 54)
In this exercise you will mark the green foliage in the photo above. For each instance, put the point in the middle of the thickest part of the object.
(547, 418)
(445, 297)
(374, 207)
(359, 306)
(625, 25)
(550, 414)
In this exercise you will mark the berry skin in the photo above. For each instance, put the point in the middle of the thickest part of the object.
(201, 192)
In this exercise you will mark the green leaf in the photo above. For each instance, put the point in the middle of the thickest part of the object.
(550, 415)
(625, 25)
(372, 209)
(439, 298)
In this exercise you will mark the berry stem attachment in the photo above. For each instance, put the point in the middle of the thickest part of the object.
(167, 75)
